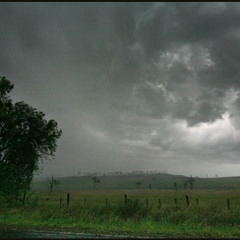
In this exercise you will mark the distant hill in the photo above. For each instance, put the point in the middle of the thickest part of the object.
(161, 181)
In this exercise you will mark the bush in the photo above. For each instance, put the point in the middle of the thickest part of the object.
(132, 209)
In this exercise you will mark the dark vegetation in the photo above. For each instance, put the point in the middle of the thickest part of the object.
(26, 138)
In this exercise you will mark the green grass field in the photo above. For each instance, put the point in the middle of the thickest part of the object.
(89, 212)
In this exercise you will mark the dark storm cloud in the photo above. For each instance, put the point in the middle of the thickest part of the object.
(129, 83)
(198, 27)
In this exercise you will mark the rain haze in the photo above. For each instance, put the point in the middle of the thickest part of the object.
(133, 86)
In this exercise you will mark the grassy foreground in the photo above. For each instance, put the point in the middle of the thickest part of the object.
(90, 212)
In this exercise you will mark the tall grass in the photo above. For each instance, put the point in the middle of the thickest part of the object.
(210, 217)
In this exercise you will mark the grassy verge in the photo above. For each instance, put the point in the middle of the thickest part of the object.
(210, 218)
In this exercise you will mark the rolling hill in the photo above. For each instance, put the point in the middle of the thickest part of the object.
(161, 181)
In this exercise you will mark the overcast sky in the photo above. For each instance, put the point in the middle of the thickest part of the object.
(133, 86)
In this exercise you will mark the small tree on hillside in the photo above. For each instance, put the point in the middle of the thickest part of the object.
(191, 180)
(53, 183)
(138, 184)
(95, 181)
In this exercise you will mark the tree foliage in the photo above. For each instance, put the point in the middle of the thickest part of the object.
(26, 138)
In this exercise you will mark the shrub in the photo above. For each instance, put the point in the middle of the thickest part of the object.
(132, 209)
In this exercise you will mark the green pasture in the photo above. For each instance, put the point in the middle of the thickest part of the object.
(88, 211)
(91, 198)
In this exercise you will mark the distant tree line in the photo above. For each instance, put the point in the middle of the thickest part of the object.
(119, 173)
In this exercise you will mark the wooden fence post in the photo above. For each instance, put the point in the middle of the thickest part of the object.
(68, 199)
(175, 200)
(159, 203)
(106, 201)
(228, 204)
(146, 201)
(24, 198)
(187, 200)
(125, 198)
(197, 201)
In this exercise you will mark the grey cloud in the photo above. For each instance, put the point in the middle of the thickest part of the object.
(123, 70)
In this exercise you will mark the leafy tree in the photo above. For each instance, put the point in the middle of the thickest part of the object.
(95, 181)
(26, 138)
(53, 183)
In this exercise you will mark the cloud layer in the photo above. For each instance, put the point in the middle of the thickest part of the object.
(134, 86)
